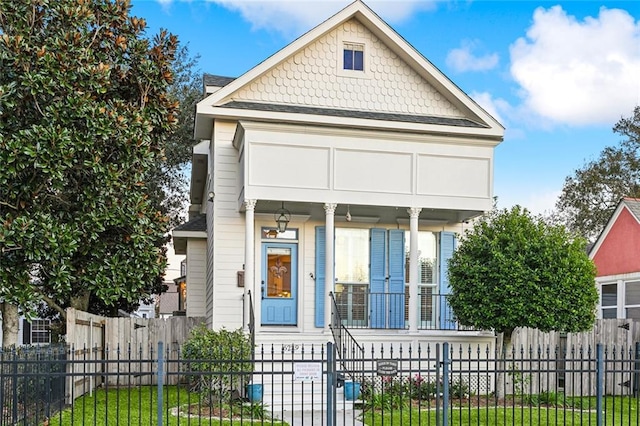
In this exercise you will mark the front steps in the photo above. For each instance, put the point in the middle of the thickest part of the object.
(293, 375)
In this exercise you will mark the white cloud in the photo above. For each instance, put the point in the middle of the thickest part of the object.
(495, 107)
(462, 59)
(537, 202)
(294, 17)
(579, 72)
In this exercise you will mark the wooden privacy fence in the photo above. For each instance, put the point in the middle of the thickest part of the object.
(564, 357)
(104, 340)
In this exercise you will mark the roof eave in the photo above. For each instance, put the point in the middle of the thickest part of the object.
(493, 135)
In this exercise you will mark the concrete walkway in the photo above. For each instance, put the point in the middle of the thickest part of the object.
(319, 418)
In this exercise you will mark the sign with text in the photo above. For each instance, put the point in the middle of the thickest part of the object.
(307, 371)
(387, 367)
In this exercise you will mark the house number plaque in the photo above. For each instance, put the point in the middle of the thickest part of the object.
(387, 367)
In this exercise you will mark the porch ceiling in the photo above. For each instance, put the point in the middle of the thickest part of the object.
(368, 213)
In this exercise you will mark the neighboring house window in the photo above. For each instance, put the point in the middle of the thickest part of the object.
(623, 295)
(609, 300)
(40, 331)
(632, 299)
(353, 57)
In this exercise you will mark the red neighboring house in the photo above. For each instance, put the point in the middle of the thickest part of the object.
(616, 255)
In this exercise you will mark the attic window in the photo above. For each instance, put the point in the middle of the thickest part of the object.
(353, 57)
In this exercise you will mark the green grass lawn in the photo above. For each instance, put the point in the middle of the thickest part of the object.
(138, 406)
(617, 411)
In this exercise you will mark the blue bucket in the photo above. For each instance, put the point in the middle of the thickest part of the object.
(351, 391)
(254, 392)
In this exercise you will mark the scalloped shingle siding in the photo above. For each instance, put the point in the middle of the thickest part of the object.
(311, 78)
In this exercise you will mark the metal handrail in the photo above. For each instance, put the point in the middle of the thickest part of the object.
(252, 325)
(350, 352)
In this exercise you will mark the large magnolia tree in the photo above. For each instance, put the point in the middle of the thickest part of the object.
(84, 113)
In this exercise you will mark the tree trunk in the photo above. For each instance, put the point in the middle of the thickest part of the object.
(81, 301)
(503, 354)
(10, 324)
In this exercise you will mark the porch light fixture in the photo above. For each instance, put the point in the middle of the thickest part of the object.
(282, 217)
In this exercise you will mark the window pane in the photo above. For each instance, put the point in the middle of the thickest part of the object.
(427, 247)
(426, 304)
(348, 59)
(358, 60)
(633, 313)
(352, 255)
(40, 332)
(279, 272)
(632, 293)
(608, 313)
(610, 295)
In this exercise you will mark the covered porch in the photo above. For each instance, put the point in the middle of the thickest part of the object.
(386, 267)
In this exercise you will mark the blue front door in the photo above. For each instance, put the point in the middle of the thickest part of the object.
(279, 284)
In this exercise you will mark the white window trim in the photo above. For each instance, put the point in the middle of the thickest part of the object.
(47, 330)
(366, 46)
(620, 280)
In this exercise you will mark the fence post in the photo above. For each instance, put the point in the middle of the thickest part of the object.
(160, 380)
(599, 383)
(438, 384)
(445, 383)
(331, 385)
(636, 370)
(14, 402)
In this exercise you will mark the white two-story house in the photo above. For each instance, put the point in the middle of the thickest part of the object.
(332, 179)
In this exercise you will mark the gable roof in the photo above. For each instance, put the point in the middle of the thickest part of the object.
(222, 103)
(632, 205)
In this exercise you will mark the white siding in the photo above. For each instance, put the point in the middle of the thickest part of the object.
(196, 277)
(314, 77)
(228, 249)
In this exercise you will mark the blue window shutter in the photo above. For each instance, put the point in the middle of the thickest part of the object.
(447, 247)
(320, 274)
(378, 277)
(396, 278)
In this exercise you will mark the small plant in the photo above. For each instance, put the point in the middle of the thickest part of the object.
(421, 388)
(255, 410)
(217, 362)
(520, 380)
(459, 389)
(394, 394)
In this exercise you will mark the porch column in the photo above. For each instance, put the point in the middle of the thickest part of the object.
(329, 283)
(414, 277)
(249, 262)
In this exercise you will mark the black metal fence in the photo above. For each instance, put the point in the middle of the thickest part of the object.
(306, 384)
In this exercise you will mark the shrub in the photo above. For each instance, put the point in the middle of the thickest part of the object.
(217, 362)
(422, 388)
(459, 389)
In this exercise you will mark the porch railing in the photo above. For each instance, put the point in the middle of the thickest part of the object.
(350, 352)
(358, 307)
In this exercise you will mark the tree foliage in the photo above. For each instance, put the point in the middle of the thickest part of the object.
(84, 115)
(514, 270)
(168, 182)
(591, 194)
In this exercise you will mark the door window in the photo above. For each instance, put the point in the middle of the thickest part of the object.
(279, 272)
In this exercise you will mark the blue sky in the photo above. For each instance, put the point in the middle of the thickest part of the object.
(558, 75)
